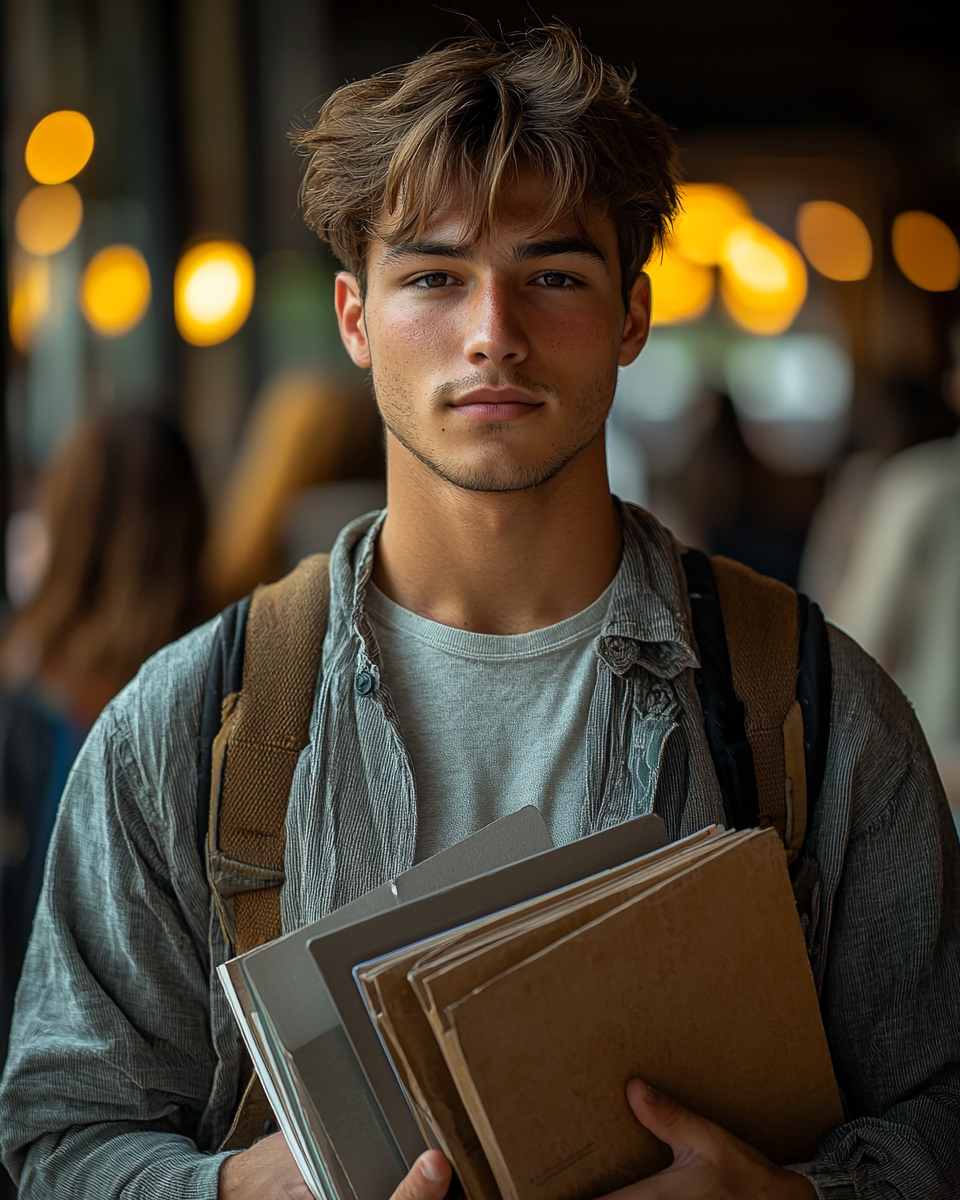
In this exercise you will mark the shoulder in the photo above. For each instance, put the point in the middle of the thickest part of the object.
(169, 684)
(152, 726)
(875, 741)
(918, 476)
(940, 453)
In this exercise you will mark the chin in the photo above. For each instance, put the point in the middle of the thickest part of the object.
(513, 475)
(495, 467)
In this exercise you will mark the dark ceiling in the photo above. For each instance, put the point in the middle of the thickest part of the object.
(887, 69)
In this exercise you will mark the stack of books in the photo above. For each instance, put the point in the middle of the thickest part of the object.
(500, 1018)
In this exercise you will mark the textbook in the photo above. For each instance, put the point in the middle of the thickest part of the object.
(515, 1036)
(325, 1073)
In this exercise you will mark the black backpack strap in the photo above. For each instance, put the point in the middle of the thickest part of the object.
(224, 678)
(815, 694)
(723, 712)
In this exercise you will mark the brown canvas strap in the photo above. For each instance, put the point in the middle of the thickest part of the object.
(264, 728)
(253, 1117)
(761, 618)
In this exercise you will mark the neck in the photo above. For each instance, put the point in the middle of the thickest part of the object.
(497, 562)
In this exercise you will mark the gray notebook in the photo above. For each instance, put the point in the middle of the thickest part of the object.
(333, 1123)
(312, 1042)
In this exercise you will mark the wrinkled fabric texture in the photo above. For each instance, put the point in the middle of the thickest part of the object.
(38, 744)
(125, 1061)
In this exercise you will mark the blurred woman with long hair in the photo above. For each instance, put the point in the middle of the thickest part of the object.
(126, 524)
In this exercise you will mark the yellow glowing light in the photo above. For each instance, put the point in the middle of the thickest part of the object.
(59, 147)
(48, 218)
(708, 212)
(763, 279)
(29, 299)
(926, 251)
(762, 319)
(680, 290)
(212, 292)
(115, 290)
(835, 240)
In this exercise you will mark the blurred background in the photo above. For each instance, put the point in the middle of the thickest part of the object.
(796, 406)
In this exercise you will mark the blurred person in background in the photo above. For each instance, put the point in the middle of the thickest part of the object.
(904, 413)
(125, 522)
(738, 505)
(305, 430)
(899, 596)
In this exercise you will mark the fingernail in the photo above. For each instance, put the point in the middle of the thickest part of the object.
(428, 1170)
(646, 1091)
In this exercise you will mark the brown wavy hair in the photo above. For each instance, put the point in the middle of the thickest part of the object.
(127, 524)
(458, 122)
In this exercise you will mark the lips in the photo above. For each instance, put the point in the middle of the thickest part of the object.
(496, 404)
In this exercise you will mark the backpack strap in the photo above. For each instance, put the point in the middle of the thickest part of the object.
(255, 721)
(762, 620)
(724, 718)
(224, 679)
(764, 685)
(815, 694)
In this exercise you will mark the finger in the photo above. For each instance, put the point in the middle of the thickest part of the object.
(666, 1118)
(427, 1179)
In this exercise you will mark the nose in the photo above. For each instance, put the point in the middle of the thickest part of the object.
(494, 332)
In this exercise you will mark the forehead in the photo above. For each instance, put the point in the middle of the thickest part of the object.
(522, 213)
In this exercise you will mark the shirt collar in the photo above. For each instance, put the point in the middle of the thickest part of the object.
(646, 624)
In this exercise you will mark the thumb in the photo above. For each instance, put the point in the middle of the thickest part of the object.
(666, 1119)
(427, 1179)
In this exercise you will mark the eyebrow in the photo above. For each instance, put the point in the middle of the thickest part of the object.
(583, 246)
(522, 252)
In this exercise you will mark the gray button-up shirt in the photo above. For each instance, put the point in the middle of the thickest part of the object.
(124, 1060)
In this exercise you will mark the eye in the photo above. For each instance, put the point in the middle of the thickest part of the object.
(558, 279)
(433, 280)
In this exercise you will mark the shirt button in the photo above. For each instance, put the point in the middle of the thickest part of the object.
(365, 683)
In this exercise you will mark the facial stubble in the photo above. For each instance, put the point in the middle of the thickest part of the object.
(497, 472)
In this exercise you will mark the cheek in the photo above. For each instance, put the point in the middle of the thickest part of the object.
(414, 344)
(405, 351)
(578, 337)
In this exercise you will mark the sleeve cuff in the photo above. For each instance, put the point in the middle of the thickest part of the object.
(829, 1184)
(205, 1181)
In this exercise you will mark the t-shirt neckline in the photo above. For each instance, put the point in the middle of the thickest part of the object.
(490, 647)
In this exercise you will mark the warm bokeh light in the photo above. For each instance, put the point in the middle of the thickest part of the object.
(708, 212)
(926, 251)
(48, 218)
(835, 240)
(681, 290)
(115, 290)
(212, 291)
(29, 299)
(59, 147)
(763, 279)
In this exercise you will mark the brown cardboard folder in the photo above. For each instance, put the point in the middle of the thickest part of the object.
(686, 968)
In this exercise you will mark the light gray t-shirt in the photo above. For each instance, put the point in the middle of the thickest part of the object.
(491, 722)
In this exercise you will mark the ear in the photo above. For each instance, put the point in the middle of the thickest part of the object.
(636, 327)
(349, 305)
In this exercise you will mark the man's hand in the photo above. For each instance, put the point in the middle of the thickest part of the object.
(267, 1171)
(708, 1163)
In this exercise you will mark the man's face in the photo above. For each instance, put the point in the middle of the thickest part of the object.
(495, 363)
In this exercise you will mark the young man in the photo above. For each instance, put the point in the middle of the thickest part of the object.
(505, 632)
